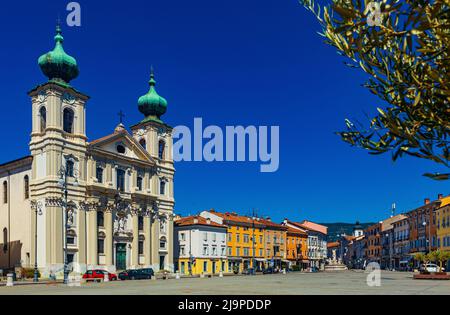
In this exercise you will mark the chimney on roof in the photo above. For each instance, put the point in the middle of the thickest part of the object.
(195, 220)
(269, 219)
(208, 221)
(440, 196)
(427, 201)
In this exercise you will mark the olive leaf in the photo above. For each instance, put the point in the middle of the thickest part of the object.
(407, 60)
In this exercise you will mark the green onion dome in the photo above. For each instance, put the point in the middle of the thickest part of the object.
(151, 104)
(56, 64)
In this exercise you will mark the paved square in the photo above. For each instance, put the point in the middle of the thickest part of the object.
(348, 282)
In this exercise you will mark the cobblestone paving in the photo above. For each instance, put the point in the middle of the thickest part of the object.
(340, 283)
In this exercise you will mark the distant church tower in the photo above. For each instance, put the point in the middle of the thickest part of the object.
(358, 230)
(58, 141)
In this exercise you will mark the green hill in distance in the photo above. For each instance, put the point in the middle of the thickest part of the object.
(337, 229)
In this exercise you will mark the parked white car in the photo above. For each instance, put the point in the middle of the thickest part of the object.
(431, 268)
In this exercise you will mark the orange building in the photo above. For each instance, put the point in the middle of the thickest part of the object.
(423, 229)
(374, 247)
(297, 248)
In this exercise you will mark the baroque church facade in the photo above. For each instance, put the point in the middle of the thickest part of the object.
(106, 203)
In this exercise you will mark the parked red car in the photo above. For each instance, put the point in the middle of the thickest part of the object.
(98, 275)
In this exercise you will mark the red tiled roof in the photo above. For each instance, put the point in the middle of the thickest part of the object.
(313, 227)
(270, 224)
(197, 220)
(296, 231)
(349, 238)
(334, 244)
(233, 217)
(240, 219)
(388, 223)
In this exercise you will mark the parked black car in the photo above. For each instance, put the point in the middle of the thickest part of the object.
(270, 270)
(138, 274)
(249, 272)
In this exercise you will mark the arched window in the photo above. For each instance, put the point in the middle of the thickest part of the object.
(68, 117)
(101, 243)
(71, 237)
(163, 243)
(69, 168)
(26, 186)
(162, 187)
(162, 149)
(5, 192)
(5, 240)
(120, 174)
(99, 175)
(43, 119)
(143, 143)
(100, 219)
(141, 223)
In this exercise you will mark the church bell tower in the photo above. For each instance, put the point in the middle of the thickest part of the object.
(156, 137)
(58, 146)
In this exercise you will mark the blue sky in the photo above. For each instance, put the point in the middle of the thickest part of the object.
(232, 63)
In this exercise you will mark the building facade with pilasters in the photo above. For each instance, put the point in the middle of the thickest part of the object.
(110, 201)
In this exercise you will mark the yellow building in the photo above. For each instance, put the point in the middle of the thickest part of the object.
(275, 236)
(200, 246)
(443, 223)
(245, 240)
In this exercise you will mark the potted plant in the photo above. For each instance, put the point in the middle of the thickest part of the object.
(422, 259)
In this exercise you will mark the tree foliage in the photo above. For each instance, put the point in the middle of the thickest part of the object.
(406, 56)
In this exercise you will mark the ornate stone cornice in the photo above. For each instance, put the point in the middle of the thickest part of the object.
(54, 202)
(89, 206)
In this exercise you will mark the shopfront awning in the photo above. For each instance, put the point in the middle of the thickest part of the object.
(234, 259)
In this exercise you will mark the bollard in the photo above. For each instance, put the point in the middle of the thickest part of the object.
(10, 280)
(221, 274)
(106, 277)
(284, 271)
(177, 276)
(202, 275)
(154, 278)
(74, 281)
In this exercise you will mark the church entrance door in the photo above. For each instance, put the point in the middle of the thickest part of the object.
(121, 256)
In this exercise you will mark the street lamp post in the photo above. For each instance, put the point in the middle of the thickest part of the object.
(253, 241)
(38, 211)
(429, 235)
(299, 246)
(429, 232)
(389, 246)
(64, 173)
